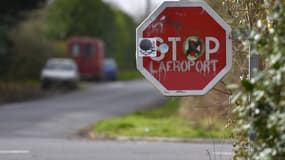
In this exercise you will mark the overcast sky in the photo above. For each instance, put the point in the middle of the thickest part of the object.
(135, 8)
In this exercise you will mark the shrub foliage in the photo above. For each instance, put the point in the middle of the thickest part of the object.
(260, 110)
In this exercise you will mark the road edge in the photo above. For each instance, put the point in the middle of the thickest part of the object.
(85, 133)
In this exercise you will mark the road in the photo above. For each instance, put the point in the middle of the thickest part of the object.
(46, 129)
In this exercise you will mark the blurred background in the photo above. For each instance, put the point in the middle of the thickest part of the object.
(34, 31)
(67, 69)
(45, 44)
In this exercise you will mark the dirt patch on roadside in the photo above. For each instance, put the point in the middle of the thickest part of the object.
(8, 96)
(13, 94)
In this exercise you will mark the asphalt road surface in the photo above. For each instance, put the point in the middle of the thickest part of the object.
(46, 129)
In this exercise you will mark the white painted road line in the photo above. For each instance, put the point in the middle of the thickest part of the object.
(3, 152)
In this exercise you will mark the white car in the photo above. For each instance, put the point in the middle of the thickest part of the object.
(60, 71)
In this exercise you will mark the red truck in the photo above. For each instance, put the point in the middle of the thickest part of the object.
(88, 53)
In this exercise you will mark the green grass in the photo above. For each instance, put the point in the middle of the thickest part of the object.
(160, 122)
(129, 75)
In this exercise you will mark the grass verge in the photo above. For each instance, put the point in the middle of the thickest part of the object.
(13, 91)
(159, 122)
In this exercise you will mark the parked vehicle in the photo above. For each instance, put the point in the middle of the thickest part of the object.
(88, 53)
(110, 69)
(59, 71)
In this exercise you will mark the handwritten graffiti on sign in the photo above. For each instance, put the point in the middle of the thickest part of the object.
(188, 49)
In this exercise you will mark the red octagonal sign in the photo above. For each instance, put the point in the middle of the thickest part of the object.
(183, 48)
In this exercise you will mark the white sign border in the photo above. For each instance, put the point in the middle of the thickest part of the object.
(215, 16)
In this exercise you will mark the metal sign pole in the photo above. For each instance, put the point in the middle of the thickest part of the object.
(253, 66)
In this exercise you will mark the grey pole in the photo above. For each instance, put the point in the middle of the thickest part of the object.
(253, 67)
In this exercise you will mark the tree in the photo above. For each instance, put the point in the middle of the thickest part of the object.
(4, 46)
(260, 110)
(92, 18)
(125, 48)
(11, 10)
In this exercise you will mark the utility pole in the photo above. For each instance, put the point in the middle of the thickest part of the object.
(147, 8)
(253, 64)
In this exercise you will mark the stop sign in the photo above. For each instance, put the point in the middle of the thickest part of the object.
(183, 48)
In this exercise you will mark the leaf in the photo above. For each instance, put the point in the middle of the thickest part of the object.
(247, 85)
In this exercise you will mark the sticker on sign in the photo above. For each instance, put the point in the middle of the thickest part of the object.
(182, 57)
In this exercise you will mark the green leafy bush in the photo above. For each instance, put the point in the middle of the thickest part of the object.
(260, 111)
